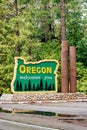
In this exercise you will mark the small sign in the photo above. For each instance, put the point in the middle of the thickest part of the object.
(34, 76)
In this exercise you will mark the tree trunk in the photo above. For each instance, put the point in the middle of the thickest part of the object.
(63, 20)
(64, 51)
(16, 13)
(73, 69)
(18, 47)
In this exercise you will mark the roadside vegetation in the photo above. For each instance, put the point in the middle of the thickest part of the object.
(32, 29)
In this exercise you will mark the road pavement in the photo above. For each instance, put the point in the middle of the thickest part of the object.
(76, 108)
(75, 116)
(12, 125)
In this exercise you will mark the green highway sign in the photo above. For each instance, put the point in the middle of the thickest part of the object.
(34, 76)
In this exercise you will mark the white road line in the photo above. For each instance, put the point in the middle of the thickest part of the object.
(27, 125)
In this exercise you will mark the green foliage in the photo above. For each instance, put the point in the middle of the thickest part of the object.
(50, 50)
(39, 35)
(82, 51)
(81, 78)
(75, 26)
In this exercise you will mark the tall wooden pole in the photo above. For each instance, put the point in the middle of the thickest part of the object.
(64, 51)
(64, 67)
(73, 69)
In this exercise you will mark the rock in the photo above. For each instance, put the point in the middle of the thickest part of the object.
(43, 97)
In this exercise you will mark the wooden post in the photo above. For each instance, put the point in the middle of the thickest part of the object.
(64, 67)
(64, 51)
(73, 69)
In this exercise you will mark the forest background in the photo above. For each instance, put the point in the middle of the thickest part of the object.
(32, 29)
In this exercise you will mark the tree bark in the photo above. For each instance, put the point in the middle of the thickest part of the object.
(64, 51)
(63, 20)
(16, 13)
(16, 7)
(73, 69)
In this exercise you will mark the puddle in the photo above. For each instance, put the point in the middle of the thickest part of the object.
(74, 119)
(20, 111)
(38, 113)
(43, 113)
(65, 115)
(5, 111)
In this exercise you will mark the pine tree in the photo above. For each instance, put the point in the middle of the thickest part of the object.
(25, 25)
(20, 87)
(29, 85)
(33, 87)
(64, 51)
(38, 87)
(41, 84)
(17, 86)
(25, 89)
(46, 86)
(50, 87)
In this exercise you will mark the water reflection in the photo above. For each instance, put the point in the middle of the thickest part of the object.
(5, 111)
(63, 117)
(43, 113)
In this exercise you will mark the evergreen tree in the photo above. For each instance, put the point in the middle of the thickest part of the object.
(25, 89)
(50, 87)
(41, 84)
(29, 85)
(32, 29)
(17, 86)
(33, 87)
(46, 86)
(38, 87)
(64, 51)
(20, 87)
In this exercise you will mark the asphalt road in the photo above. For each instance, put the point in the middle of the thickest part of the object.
(12, 125)
(18, 121)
